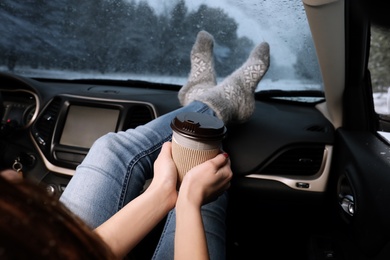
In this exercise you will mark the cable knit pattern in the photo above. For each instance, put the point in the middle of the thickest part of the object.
(200, 66)
(233, 99)
(252, 73)
(202, 75)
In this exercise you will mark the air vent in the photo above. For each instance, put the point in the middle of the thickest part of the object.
(138, 115)
(301, 161)
(44, 126)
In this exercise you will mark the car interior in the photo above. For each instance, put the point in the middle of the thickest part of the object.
(311, 168)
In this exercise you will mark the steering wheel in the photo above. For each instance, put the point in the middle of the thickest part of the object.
(8, 173)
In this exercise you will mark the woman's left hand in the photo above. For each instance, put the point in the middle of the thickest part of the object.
(207, 181)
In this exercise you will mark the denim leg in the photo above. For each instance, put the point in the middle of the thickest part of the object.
(115, 170)
(213, 216)
(116, 167)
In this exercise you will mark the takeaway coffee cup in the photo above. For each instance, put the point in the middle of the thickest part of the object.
(196, 137)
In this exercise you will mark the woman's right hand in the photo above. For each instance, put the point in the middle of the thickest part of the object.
(165, 174)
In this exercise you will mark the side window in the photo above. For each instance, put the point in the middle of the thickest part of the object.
(379, 66)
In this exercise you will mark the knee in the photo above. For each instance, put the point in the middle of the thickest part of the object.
(104, 142)
(104, 151)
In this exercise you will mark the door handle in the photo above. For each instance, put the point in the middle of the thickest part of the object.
(347, 204)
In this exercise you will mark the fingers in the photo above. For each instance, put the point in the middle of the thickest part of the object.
(219, 161)
(11, 175)
(216, 173)
(221, 165)
(164, 163)
(222, 175)
(165, 156)
(166, 150)
(206, 181)
(164, 159)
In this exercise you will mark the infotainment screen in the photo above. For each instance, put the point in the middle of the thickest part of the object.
(85, 124)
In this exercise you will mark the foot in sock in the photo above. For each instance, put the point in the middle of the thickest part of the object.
(233, 99)
(202, 75)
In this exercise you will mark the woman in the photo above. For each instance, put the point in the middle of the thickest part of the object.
(106, 191)
(34, 225)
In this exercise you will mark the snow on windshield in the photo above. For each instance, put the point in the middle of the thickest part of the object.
(151, 40)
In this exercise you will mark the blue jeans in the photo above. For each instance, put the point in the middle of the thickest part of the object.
(114, 173)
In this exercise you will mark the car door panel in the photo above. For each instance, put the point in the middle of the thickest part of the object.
(361, 164)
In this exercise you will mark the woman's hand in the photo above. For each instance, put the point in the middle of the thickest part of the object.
(207, 181)
(200, 185)
(165, 174)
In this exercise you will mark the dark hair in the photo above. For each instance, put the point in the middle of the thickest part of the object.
(34, 225)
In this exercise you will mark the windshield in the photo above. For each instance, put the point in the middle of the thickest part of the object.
(151, 40)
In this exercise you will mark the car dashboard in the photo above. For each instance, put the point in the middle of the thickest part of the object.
(285, 142)
(280, 157)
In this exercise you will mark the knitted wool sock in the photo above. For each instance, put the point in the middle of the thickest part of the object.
(202, 75)
(233, 99)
